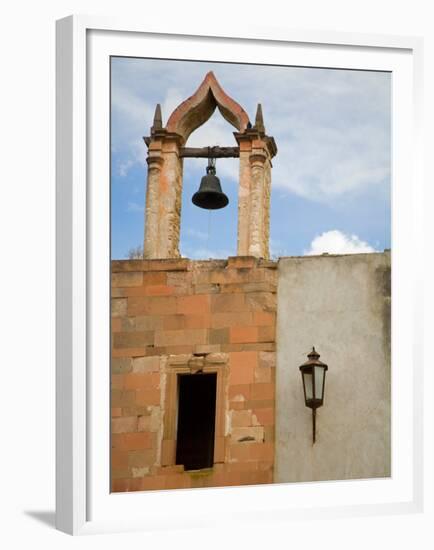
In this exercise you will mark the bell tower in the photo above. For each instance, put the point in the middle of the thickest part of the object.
(166, 151)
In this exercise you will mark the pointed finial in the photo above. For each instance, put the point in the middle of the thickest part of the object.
(259, 119)
(158, 120)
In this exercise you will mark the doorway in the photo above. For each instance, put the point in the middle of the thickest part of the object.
(196, 420)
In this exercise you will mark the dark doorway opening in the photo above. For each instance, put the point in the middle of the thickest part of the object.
(196, 420)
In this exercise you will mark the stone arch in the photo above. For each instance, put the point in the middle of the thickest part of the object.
(198, 108)
(165, 168)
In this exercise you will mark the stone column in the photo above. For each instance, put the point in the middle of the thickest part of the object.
(151, 240)
(244, 201)
(258, 244)
(163, 197)
(256, 151)
(169, 219)
(267, 200)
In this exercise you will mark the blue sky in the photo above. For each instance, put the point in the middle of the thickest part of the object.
(330, 177)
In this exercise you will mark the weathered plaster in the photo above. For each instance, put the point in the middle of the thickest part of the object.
(340, 305)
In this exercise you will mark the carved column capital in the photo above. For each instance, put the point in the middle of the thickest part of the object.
(258, 159)
(154, 161)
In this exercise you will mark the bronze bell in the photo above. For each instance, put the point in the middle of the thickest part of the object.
(210, 195)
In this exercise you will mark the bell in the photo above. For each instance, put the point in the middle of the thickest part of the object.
(210, 195)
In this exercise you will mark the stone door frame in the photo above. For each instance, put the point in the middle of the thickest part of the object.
(217, 363)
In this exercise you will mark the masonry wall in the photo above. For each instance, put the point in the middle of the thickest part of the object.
(179, 316)
(340, 305)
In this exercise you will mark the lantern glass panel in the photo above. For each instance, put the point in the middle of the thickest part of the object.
(307, 376)
(319, 382)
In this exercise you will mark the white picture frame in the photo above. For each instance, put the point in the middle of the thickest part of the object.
(83, 502)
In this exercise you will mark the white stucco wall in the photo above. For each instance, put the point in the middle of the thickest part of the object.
(340, 305)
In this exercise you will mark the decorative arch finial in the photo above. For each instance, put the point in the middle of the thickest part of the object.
(198, 108)
(259, 119)
(158, 119)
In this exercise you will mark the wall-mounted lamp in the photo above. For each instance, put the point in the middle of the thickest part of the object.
(313, 374)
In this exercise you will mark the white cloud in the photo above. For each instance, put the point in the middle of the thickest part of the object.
(216, 131)
(336, 242)
(332, 127)
(173, 97)
(124, 167)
